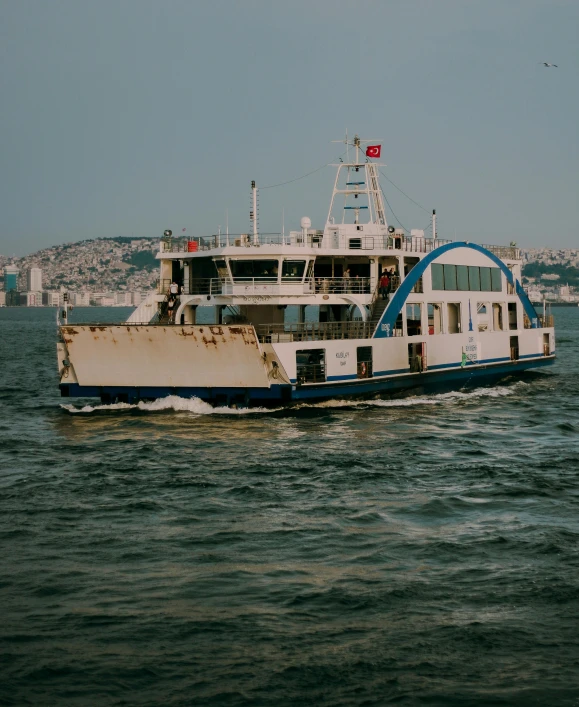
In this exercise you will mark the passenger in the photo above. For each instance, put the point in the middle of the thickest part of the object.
(347, 280)
(174, 289)
(384, 285)
(171, 310)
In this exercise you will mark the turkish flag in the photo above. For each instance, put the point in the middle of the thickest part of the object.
(373, 151)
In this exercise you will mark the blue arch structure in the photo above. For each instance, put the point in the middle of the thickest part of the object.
(386, 324)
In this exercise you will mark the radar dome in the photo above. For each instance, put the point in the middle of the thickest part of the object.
(306, 222)
(391, 229)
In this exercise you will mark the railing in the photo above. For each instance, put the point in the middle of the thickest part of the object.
(242, 286)
(317, 239)
(544, 321)
(341, 285)
(504, 252)
(312, 239)
(313, 331)
(311, 373)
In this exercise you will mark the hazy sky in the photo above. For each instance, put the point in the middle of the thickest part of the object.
(124, 117)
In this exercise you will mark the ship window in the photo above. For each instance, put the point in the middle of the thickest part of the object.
(483, 319)
(293, 269)
(485, 279)
(454, 323)
(498, 317)
(462, 277)
(512, 307)
(413, 319)
(311, 366)
(364, 361)
(450, 277)
(474, 278)
(496, 280)
(434, 318)
(242, 269)
(437, 274)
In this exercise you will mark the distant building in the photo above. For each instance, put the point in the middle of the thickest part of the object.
(104, 301)
(51, 299)
(11, 278)
(137, 298)
(80, 299)
(34, 280)
(2, 299)
(31, 299)
(123, 298)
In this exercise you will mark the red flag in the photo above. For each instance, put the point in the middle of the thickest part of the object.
(373, 151)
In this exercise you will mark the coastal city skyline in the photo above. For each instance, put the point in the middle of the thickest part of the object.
(102, 272)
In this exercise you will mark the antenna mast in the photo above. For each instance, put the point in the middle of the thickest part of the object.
(253, 212)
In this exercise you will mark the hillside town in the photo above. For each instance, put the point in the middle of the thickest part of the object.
(102, 272)
(113, 272)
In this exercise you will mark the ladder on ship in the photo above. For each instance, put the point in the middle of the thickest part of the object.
(376, 312)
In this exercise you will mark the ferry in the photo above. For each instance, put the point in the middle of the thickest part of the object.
(358, 308)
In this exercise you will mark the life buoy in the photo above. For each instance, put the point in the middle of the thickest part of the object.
(363, 369)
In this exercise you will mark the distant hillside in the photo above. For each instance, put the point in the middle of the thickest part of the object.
(100, 265)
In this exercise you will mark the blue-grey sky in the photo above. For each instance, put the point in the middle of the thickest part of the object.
(125, 117)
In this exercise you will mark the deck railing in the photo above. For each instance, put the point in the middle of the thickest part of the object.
(317, 239)
(242, 286)
(313, 331)
(298, 239)
(547, 320)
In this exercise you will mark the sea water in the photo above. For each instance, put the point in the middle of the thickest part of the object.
(414, 551)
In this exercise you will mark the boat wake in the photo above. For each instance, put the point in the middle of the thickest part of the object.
(438, 399)
(174, 403)
(171, 402)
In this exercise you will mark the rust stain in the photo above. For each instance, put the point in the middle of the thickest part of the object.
(98, 328)
(216, 330)
(69, 330)
(213, 341)
(191, 333)
(67, 341)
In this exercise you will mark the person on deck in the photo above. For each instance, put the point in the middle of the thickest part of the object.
(384, 285)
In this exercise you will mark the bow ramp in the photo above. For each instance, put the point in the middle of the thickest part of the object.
(162, 356)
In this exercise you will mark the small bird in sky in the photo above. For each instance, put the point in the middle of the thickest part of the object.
(548, 65)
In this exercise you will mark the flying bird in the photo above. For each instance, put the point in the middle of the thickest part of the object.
(548, 65)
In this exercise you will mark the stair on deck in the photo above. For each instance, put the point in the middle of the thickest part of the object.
(377, 311)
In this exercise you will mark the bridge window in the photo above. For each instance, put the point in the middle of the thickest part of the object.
(496, 280)
(249, 269)
(293, 269)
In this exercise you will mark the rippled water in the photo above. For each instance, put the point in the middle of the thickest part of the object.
(414, 551)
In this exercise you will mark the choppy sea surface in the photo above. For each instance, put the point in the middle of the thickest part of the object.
(420, 551)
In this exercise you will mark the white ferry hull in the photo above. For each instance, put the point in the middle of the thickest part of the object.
(227, 365)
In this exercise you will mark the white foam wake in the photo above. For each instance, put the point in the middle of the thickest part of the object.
(438, 399)
(171, 402)
(198, 407)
